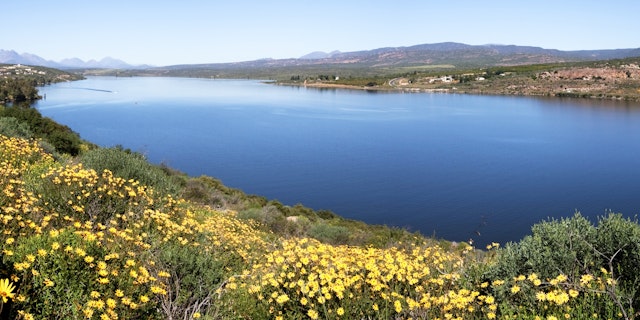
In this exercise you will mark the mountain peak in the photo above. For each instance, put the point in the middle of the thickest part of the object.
(319, 55)
(12, 57)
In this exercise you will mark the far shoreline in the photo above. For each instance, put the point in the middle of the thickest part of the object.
(452, 90)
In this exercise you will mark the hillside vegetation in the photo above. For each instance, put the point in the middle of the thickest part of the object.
(18, 82)
(106, 235)
(608, 79)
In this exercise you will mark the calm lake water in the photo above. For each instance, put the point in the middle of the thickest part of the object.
(458, 167)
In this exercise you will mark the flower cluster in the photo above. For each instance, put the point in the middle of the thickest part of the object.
(324, 281)
(72, 230)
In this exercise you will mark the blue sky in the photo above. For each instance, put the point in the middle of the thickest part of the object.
(165, 32)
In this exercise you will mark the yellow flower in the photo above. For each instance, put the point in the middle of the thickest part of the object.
(25, 315)
(88, 312)
(80, 252)
(541, 296)
(196, 315)
(340, 311)
(281, 299)
(48, 282)
(515, 289)
(397, 305)
(585, 279)
(6, 289)
(312, 314)
(158, 290)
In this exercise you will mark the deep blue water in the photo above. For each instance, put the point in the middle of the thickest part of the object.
(456, 166)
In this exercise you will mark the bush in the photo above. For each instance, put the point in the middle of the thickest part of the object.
(617, 242)
(59, 275)
(329, 233)
(555, 247)
(269, 216)
(574, 247)
(195, 276)
(210, 191)
(130, 165)
(60, 136)
(12, 127)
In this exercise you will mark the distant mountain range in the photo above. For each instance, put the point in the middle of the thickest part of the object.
(460, 54)
(12, 57)
(446, 53)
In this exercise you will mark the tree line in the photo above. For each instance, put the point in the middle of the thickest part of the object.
(16, 90)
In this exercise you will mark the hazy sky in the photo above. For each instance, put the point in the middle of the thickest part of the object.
(164, 32)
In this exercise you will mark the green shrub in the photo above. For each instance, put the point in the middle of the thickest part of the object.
(554, 247)
(269, 216)
(12, 127)
(195, 277)
(210, 191)
(131, 165)
(328, 233)
(198, 190)
(60, 136)
(58, 276)
(617, 242)
(574, 247)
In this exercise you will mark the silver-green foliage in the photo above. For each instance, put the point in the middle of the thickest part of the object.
(573, 247)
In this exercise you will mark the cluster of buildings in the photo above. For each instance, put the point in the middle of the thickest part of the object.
(18, 69)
